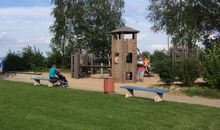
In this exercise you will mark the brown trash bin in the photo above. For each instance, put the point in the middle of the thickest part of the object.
(109, 85)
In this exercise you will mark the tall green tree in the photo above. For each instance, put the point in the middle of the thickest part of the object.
(104, 16)
(211, 74)
(186, 21)
(85, 24)
(59, 28)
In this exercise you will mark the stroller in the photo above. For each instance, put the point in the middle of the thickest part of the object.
(62, 80)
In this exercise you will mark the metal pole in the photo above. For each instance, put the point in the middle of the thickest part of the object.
(101, 70)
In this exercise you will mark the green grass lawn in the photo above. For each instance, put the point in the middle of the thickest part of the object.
(27, 107)
(203, 92)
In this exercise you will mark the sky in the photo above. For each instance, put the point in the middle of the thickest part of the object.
(27, 22)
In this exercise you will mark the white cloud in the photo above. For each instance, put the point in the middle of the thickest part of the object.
(135, 17)
(22, 26)
(158, 46)
(141, 37)
(2, 34)
(25, 11)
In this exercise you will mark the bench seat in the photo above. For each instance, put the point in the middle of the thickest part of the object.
(38, 79)
(157, 98)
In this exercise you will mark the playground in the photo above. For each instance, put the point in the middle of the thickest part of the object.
(99, 65)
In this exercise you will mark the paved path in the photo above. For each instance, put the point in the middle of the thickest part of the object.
(96, 84)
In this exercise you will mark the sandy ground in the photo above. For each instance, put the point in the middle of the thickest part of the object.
(96, 84)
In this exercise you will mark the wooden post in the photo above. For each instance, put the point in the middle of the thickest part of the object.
(121, 55)
(76, 65)
(130, 93)
(158, 97)
(134, 59)
(72, 65)
(36, 82)
(92, 62)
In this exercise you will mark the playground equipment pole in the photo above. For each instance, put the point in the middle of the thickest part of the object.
(101, 70)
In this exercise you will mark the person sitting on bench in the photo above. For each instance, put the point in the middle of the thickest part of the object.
(52, 74)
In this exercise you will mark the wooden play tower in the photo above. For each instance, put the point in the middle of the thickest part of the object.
(124, 54)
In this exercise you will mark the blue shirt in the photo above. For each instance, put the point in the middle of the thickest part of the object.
(52, 72)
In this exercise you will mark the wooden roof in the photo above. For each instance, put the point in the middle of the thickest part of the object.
(125, 29)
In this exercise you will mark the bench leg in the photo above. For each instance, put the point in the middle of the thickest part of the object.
(130, 93)
(36, 82)
(50, 84)
(158, 97)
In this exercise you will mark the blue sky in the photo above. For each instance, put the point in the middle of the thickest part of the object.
(27, 22)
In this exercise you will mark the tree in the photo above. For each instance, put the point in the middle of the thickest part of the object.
(32, 58)
(13, 62)
(85, 24)
(54, 57)
(104, 16)
(211, 73)
(186, 21)
(59, 28)
(146, 54)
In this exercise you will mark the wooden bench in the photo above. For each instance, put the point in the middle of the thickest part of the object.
(38, 79)
(157, 98)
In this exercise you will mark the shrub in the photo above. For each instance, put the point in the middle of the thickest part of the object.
(33, 58)
(162, 65)
(27, 59)
(184, 70)
(188, 70)
(212, 66)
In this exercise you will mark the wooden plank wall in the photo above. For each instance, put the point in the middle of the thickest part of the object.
(124, 46)
(76, 65)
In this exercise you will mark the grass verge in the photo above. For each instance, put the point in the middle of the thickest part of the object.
(27, 107)
(203, 92)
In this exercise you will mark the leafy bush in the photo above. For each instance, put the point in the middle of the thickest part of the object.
(33, 58)
(188, 70)
(212, 66)
(158, 56)
(184, 70)
(27, 59)
(162, 65)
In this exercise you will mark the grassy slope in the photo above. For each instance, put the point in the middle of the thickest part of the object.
(203, 91)
(24, 106)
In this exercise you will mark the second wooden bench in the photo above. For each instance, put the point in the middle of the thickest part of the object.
(157, 98)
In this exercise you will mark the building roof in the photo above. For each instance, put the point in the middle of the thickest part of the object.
(125, 29)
